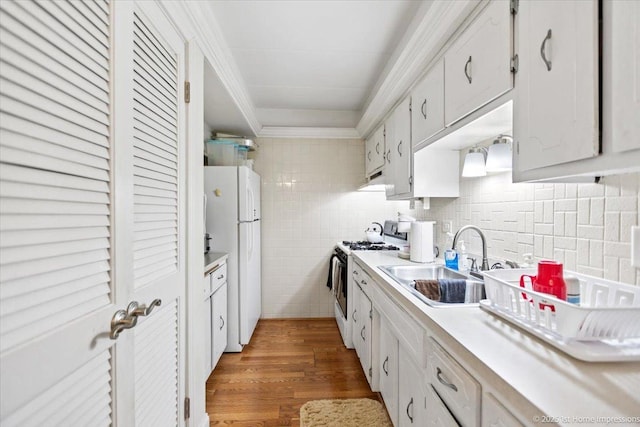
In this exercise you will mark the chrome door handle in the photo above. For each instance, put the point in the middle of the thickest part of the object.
(220, 277)
(378, 148)
(399, 146)
(389, 156)
(121, 321)
(543, 49)
(466, 67)
(222, 324)
(384, 366)
(353, 316)
(445, 382)
(423, 109)
(362, 333)
(369, 155)
(135, 310)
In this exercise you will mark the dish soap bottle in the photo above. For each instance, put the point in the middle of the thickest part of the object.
(462, 257)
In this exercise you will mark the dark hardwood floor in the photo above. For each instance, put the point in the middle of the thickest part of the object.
(287, 363)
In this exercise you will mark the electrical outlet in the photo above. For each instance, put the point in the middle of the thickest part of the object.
(447, 226)
(635, 246)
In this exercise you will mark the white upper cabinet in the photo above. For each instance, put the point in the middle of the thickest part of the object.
(427, 98)
(374, 152)
(621, 75)
(478, 64)
(398, 170)
(556, 99)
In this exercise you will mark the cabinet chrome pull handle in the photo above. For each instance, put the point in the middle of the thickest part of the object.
(389, 156)
(400, 146)
(353, 316)
(222, 324)
(467, 66)
(543, 50)
(221, 276)
(135, 310)
(378, 148)
(355, 272)
(384, 366)
(362, 333)
(423, 109)
(445, 382)
(363, 282)
(121, 321)
(410, 405)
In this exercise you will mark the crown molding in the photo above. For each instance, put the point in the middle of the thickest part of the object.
(308, 132)
(436, 28)
(211, 40)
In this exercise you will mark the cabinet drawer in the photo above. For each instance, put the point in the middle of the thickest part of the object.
(457, 388)
(218, 277)
(496, 415)
(361, 278)
(438, 414)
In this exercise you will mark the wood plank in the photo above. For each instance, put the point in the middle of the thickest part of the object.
(287, 363)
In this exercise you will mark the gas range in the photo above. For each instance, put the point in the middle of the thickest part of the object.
(369, 246)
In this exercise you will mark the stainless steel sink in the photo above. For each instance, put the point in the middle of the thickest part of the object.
(406, 275)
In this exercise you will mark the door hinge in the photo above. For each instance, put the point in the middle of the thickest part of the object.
(187, 92)
(514, 7)
(370, 314)
(411, 180)
(370, 372)
(518, 148)
(410, 105)
(187, 408)
(515, 61)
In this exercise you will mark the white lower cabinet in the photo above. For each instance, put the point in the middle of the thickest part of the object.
(437, 413)
(362, 329)
(218, 324)
(496, 415)
(459, 391)
(388, 369)
(412, 411)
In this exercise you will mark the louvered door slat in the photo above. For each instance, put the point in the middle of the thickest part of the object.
(45, 192)
(44, 148)
(35, 115)
(68, 43)
(149, 43)
(146, 132)
(155, 217)
(21, 254)
(93, 13)
(156, 115)
(170, 172)
(143, 60)
(13, 173)
(25, 300)
(38, 52)
(60, 395)
(153, 175)
(20, 270)
(38, 237)
(102, 4)
(156, 208)
(65, 109)
(152, 234)
(71, 18)
(14, 206)
(41, 94)
(143, 145)
(155, 353)
(140, 245)
(31, 70)
(154, 192)
(39, 282)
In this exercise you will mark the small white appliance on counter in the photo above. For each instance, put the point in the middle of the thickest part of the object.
(233, 218)
(421, 242)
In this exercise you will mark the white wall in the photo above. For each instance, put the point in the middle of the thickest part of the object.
(585, 226)
(309, 203)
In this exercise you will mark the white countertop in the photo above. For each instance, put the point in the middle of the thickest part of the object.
(212, 259)
(536, 378)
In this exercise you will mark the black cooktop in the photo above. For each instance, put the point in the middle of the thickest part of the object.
(368, 246)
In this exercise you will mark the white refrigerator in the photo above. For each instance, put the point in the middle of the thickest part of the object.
(233, 221)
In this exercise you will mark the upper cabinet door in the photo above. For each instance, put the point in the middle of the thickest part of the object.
(478, 64)
(401, 146)
(427, 98)
(390, 157)
(374, 152)
(556, 101)
(621, 106)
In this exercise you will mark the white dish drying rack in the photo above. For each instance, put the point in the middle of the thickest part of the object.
(604, 327)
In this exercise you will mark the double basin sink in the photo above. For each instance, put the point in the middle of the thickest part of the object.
(406, 275)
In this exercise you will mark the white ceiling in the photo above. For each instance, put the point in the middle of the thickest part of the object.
(308, 64)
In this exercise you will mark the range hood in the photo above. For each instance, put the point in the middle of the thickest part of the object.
(374, 184)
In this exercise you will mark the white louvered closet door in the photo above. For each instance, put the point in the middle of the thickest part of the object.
(91, 213)
(56, 282)
(149, 175)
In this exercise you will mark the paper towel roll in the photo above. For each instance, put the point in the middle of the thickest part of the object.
(421, 241)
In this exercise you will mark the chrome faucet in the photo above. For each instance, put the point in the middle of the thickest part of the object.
(485, 260)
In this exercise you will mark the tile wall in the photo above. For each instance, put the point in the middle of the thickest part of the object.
(585, 226)
(309, 203)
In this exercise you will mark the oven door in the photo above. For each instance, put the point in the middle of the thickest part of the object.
(340, 283)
